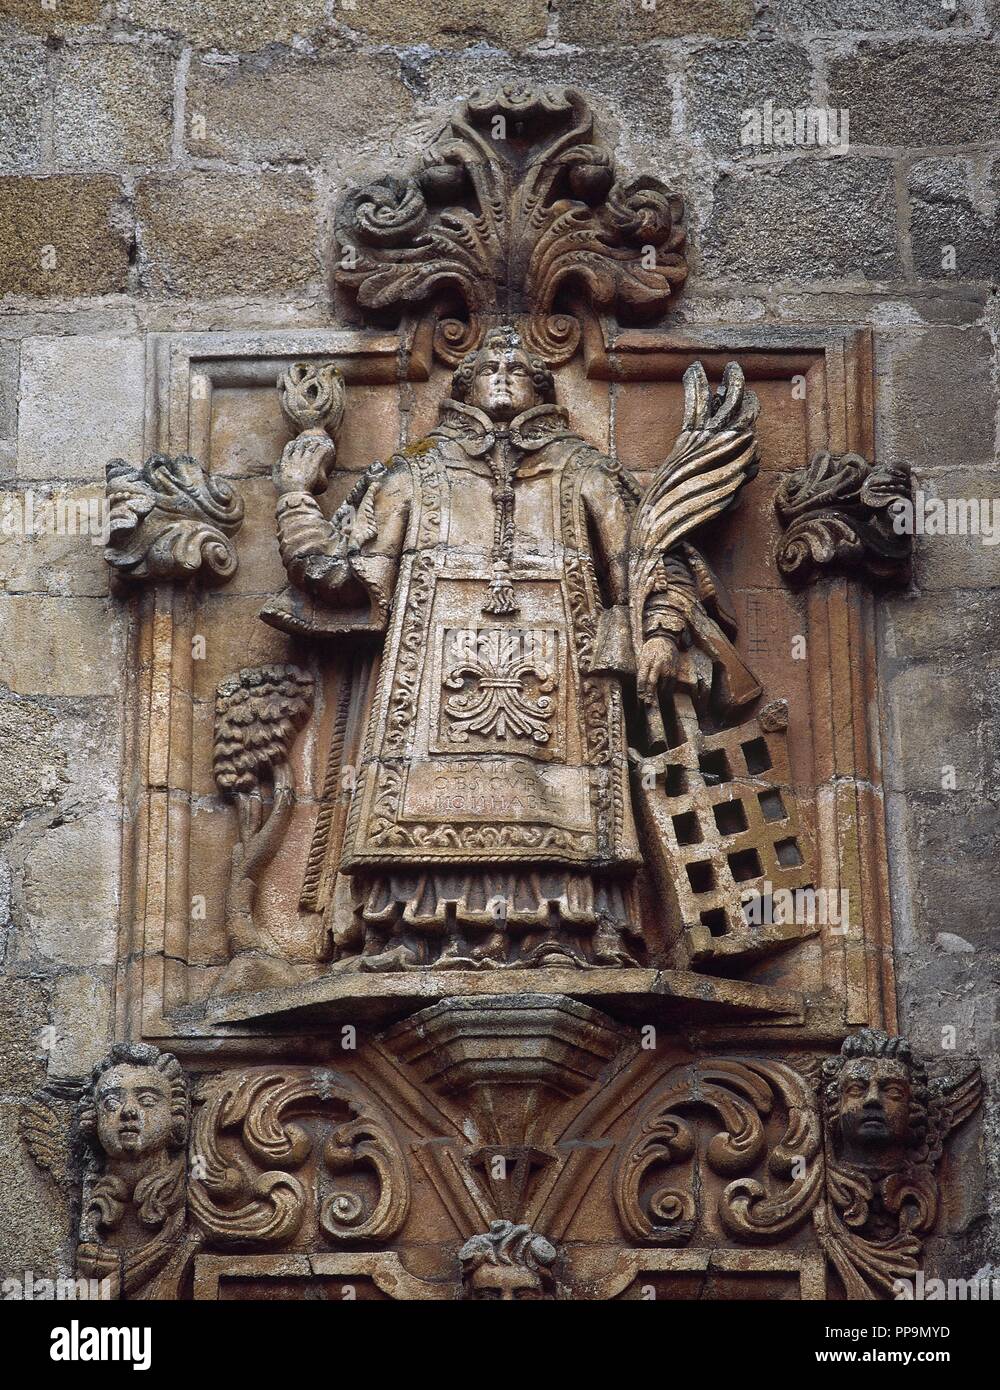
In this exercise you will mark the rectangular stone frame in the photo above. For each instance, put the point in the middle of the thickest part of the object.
(184, 369)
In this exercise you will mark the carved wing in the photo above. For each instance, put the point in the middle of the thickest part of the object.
(46, 1121)
(715, 454)
(950, 1104)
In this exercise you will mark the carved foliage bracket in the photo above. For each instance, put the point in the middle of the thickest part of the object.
(839, 512)
(169, 520)
(517, 213)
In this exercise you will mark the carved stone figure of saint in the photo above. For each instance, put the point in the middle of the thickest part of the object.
(492, 821)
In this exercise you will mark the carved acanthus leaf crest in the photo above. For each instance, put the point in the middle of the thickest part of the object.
(840, 511)
(518, 211)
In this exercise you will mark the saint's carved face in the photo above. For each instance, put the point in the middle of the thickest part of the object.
(133, 1110)
(875, 1094)
(502, 383)
(504, 1283)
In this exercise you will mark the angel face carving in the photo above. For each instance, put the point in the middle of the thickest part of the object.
(133, 1110)
(875, 1103)
(876, 1099)
(136, 1106)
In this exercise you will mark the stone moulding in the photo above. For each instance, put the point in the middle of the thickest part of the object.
(518, 210)
(838, 513)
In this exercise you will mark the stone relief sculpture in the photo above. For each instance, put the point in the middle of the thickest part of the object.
(512, 760)
(751, 1150)
(257, 715)
(839, 511)
(886, 1126)
(508, 1264)
(493, 821)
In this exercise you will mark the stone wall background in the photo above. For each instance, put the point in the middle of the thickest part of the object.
(182, 160)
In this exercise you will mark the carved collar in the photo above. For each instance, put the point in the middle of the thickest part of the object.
(478, 434)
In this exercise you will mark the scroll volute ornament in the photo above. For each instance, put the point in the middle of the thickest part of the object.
(278, 1147)
(168, 520)
(839, 513)
(660, 1209)
(517, 213)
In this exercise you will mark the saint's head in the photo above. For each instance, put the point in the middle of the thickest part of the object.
(137, 1103)
(876, 1099)
(502, 378)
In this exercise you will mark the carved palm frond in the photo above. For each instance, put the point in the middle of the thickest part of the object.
(715, 454)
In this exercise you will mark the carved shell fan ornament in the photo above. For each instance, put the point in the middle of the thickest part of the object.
(518, 215)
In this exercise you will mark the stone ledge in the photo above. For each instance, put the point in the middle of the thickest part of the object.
(640, 995)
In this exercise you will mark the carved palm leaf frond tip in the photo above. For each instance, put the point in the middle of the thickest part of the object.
(716, 453)
(258, 712)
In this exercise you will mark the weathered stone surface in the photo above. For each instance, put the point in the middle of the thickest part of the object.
(59, 757)
(113, 106)
(954, 223)
(208, 234)
(83, 1020)
(821, 16)
(82, 403)
(230, 25)
(62, 552)
(59, 646)
(461, 22)
(292, 107)
(943, 830)
(724, 80)
(946, 735)
(10, 366)
(914, 93)
(36, 1222)
(24, 1013)
(61, 236)
(594, 22)
(22, 87)
(811, 219)
(66, 17)
(632, 90)
(67, 900)
(917, 373)
(34, 758)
